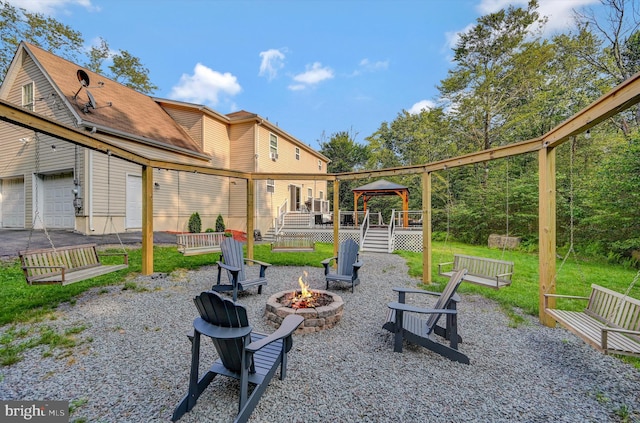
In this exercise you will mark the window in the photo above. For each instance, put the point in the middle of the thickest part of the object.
(271, 185)
(319, 164)
(273, 144)
(297, 153)
(321, 195)
(309, 194)
(27, 97)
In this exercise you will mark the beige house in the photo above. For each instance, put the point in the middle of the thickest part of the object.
(53, 184)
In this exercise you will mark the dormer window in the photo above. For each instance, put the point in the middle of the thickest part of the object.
(28, 101)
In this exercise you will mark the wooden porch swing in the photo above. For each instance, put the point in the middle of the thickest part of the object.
(481, 271)
(66, 265)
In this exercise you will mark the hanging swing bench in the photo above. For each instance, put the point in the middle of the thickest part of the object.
(66, 265)
(610, 323)
(480, 270)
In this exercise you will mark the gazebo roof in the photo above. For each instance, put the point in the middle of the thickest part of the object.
(380, 185)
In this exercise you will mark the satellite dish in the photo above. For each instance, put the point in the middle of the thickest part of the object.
(92, 101)
(83, 78)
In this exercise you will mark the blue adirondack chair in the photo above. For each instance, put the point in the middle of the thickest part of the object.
(348, 264)
(250, 357)
(406, 321)
(233, 262)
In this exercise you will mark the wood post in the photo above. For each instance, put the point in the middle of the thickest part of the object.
(426, 228)
(547, 230)
(336, 216)
(250, 215)
(147, 220)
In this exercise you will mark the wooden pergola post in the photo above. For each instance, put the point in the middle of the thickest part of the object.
(147, 220)
(547, 230)
(250, 215)
(426, 228)
(336, 215)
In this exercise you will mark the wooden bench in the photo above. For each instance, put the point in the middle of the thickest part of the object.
(610, 323)
(293, 242)
(192, 244)
(480, 270)
(65, 265)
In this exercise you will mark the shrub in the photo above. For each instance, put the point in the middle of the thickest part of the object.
(195, 224)
(209, 230)
(220, 224)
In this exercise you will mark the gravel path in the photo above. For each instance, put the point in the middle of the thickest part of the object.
(132, 362)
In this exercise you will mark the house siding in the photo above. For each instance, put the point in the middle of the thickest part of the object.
(101, 180)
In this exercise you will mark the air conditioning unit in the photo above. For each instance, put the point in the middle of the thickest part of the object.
(274, 156)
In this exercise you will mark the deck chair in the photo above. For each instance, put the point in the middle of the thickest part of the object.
(250, 357)
(233, 261)
(348, 264)
(406, 321)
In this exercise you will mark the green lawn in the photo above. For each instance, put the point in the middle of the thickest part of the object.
(23, 302)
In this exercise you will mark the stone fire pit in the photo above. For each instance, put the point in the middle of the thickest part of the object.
(315, 318)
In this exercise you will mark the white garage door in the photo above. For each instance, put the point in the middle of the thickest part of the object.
(12, 203)
(58, 209)
(134, 201)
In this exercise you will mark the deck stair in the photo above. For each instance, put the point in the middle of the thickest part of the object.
(376, 240)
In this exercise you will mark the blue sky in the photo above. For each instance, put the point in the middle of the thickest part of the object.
(314, 68)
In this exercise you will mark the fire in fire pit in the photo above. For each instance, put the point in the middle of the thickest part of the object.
(320, 309)
(305, 298)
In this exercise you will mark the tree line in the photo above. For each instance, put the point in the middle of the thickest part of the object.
(507, 84)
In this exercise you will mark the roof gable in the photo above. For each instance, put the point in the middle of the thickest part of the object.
(119, 109)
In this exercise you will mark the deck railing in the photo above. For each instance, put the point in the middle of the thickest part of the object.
(413, 219)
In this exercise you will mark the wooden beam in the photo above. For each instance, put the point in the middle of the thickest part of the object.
(427, 255)
(618, 99)
(27, 119)
(547, 230)
(280, 176)
(147, 220)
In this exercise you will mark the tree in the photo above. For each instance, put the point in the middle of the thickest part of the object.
(346, 156)
(493, 73)
(17, 24)
(613, 50)
(126, 69)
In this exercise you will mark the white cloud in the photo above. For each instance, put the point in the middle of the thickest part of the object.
(205, 86)
(50, 7)
(314, 74)
(272, 62)
(375, 66)
(422, 105)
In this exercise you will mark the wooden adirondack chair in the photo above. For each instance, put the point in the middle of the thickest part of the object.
(250, 357)
(405, 321)
(348, 264)
(233, 261)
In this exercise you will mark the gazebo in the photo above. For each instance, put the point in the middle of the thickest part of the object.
(381, 187)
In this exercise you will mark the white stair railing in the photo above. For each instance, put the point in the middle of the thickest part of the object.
(364, 228)
(391, 235)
